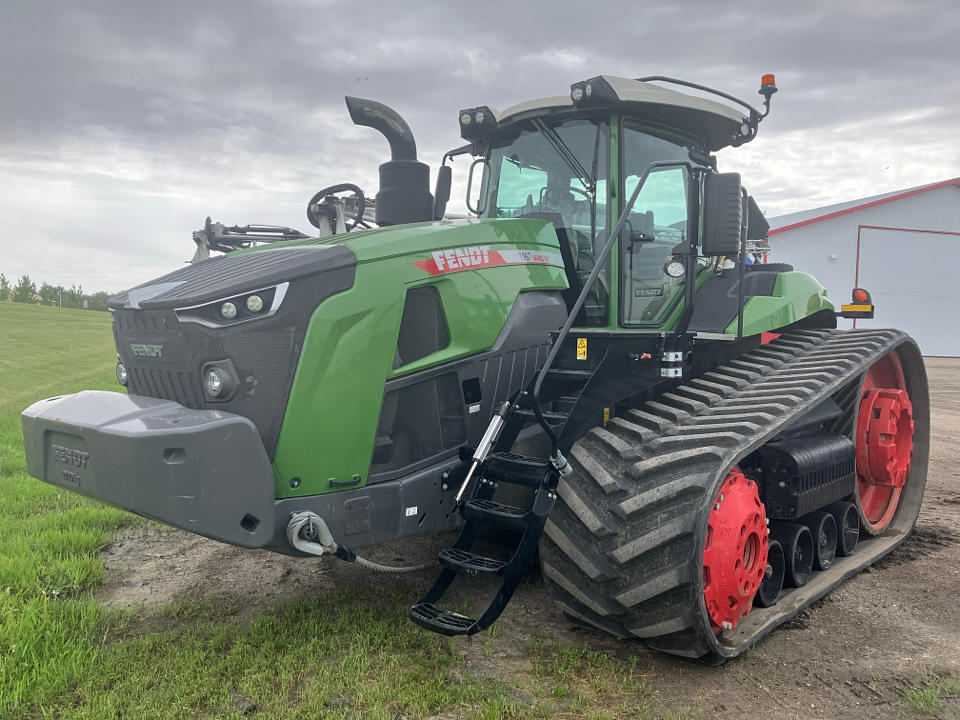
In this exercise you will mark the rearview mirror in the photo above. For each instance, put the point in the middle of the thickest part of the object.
(476, 207)
(442, 191)
(723, 214)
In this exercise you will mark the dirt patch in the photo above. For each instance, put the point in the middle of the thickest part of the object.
(154, 566)
(850, 655)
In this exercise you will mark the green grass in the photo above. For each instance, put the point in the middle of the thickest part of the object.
(928, 693)
(345, 653)
(49, 539)
(336, 655)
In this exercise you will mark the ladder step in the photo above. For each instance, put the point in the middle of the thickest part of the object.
(493, 512)
(564, 404)
(516, 469)
(580, 376)
(552, 418)
(445, 622)
(470, 563)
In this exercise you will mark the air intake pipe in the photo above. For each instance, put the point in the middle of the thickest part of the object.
(404, 194)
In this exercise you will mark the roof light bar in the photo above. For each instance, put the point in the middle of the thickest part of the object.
(477, 123)
(595, 92)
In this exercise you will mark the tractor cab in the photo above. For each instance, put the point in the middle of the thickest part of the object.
(576, 161)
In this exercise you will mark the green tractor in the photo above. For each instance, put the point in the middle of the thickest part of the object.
(597, 367)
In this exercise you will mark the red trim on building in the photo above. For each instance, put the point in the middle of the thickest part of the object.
(863, 206)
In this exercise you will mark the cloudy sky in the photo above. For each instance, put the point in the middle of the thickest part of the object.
(124, 124)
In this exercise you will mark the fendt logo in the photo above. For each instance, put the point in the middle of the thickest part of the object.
(478, 256)
(462, 257)
(141, 350)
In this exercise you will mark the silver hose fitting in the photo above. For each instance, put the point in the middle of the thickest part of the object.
(560, 463)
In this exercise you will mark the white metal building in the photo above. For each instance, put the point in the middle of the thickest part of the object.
(904, 247)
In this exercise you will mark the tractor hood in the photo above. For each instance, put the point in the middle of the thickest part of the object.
(231, 274)
(427, 237)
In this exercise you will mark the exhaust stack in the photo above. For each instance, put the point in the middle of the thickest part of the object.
(404, 194)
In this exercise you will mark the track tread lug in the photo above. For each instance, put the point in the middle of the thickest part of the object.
(674, 491)
(599, 606)
(673, 414)
(630, 432)
(652, 586)
(598, 568)
(595, 470)
(591, 519)
(645, 419)
(704, 396)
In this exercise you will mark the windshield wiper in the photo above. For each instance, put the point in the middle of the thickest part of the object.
(564, 151)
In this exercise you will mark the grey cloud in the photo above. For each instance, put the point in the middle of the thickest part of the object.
(139, 116)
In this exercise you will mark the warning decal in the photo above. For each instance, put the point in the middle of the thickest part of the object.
(581, 348)
(478, 256)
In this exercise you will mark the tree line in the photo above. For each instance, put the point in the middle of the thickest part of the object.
(25, 291)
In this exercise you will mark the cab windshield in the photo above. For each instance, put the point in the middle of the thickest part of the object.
(557, 171)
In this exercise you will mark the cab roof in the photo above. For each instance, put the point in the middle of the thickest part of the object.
(717, 124)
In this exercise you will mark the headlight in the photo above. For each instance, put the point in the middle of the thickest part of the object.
(121, 373)
(220, 380)
(213, 382)
(252, 305)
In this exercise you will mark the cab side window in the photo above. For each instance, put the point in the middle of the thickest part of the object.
(657, 224)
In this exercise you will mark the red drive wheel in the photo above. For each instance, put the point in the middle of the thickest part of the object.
(884, 441)
(734, 551)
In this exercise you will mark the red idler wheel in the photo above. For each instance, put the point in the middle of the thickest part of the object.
(884, 441)
(734, 550)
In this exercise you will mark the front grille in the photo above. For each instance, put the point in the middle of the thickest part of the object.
(181, 387)
(264, 356)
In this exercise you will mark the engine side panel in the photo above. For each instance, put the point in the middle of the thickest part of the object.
(327, 438)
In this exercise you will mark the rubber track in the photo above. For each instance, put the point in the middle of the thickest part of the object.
(622, 547)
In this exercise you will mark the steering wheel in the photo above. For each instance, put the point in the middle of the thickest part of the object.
(353, 220)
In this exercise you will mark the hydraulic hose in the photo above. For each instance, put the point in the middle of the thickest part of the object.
(308, 533)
